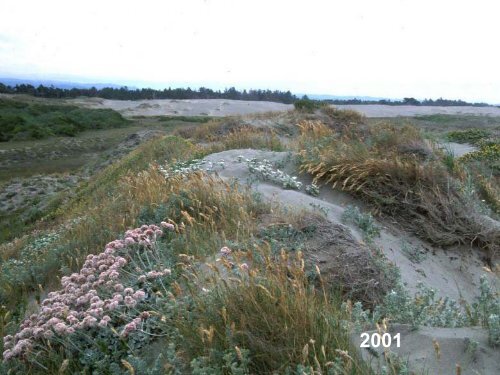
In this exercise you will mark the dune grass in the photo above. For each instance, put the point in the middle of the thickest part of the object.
(396, 171)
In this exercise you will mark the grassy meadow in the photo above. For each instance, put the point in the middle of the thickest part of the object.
(141, 267)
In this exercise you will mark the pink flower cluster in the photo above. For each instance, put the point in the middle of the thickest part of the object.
(79, 305)
(145, 235)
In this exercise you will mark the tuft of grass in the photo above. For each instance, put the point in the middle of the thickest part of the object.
(273, 313)
(249, 137)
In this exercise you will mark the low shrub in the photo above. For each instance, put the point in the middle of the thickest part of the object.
(306, 105)
(21, 120)
(472, 136)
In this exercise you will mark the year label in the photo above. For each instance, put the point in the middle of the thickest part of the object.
(374, 340)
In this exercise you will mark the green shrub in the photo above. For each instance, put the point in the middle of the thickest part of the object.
(36, 121)
(468, 136)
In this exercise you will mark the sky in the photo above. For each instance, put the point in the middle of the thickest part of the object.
(384, 48)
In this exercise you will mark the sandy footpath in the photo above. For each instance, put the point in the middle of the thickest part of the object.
(222, 107)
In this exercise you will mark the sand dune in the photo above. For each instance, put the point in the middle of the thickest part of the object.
(221, 107)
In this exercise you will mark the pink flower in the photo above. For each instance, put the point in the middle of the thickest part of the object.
(167, 272)
(103, 323)
(60, 328)
(141, 278)
(119, 288)
(7, 355)
(139, 295)
(89, 321)
(128, 291)
(168, 226)
(121, 261)
(244, 266)
(153, 274)
(130, 301)
(129, 241)
(225, 251)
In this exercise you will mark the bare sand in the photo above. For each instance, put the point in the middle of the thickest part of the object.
(377, 110)
(195, 107)
(221, 107)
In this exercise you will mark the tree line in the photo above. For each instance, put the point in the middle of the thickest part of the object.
(124, 93)
(286, 97)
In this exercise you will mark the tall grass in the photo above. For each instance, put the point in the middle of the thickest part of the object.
(274, 315)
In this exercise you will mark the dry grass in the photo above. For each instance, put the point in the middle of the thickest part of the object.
(250, 137)
(232, 133)
(420, 193)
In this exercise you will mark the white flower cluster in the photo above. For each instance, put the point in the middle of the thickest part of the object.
(186, 168)
(265, 170)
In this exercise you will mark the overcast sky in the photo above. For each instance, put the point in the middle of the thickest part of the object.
(384, 48)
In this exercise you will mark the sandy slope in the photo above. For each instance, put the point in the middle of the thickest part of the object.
(453, 273)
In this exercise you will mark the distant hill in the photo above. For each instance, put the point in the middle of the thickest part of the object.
(56, 83)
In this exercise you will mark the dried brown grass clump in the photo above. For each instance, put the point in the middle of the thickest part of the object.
(422, 195)
(345, 264)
